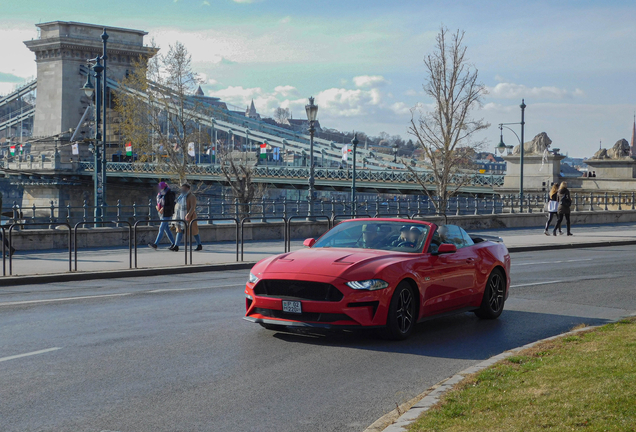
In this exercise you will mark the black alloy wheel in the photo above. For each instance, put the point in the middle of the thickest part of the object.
(402, 316)
(492, 304)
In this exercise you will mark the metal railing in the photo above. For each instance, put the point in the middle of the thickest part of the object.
(236, 222)
(214, 208)
(70, 252)
(116, 223)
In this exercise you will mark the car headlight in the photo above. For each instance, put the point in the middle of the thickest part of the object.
(370, 285)
(252, 279)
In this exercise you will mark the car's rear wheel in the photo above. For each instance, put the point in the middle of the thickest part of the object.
(402, 316)
(492, 303)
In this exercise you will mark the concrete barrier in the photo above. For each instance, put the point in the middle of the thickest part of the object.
(43, 239)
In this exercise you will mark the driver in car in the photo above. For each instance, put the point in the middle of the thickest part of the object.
(370, 238)
(402, 238)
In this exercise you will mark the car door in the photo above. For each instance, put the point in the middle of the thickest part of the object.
(441, 275)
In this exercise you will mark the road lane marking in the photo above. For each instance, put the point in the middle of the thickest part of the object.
(17, 356)
(551, 262)
(157, 291)
(191, 289)
(25, 302)
(538, 283)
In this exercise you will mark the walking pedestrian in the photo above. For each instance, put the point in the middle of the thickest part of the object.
(186, 209)
(553, 206)
(565, 201)
(165, 208)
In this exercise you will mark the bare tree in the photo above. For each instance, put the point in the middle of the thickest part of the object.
(158, 114)
(281, 115)
(244, 190)
(445, 132)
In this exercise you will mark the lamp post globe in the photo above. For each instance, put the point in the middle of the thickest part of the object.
(312, 114)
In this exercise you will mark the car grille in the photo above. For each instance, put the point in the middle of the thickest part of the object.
(298, 290)
(305, 316)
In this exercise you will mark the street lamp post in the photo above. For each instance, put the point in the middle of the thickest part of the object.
(312, 114)
(101, 99)
(502, 146)
(354, 143)
(395, 152)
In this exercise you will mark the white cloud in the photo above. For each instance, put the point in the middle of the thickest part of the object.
(285, 20)
(366, 81)
(205, 3)
(410, 92)
(505, 90)
(286, 90)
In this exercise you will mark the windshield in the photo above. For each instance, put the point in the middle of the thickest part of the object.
(380, 235)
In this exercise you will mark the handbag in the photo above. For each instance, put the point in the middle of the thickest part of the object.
(553, 206)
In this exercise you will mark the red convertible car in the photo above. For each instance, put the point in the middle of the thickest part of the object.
(387, 274)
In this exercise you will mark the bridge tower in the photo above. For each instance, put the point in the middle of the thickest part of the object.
(61, 48)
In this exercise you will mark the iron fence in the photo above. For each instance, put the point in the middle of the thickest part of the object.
(216, 208)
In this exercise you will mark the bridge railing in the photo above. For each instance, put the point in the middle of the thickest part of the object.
(220, 207)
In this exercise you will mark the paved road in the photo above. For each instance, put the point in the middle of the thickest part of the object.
(172, 353)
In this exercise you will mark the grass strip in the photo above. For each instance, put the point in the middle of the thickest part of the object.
(581, 382)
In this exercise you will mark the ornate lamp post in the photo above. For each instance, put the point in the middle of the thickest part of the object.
(312, 113)
(101, 101)
(502, 146)
(354, 143)
(395, 152)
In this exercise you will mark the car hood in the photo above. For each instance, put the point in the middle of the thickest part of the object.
(328, 261)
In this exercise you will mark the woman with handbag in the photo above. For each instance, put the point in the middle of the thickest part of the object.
(552, 206)
(565, 201)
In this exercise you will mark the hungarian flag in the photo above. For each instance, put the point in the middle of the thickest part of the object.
(345, 152)
(12, 150)
(129, 148)
(263, 150)
(21, 149)
(75, 148)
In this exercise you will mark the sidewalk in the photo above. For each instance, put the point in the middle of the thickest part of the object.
(517, 240)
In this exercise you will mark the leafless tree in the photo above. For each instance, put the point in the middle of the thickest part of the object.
(281, 115)
(445, 131)
(158, 114)
(244, 190)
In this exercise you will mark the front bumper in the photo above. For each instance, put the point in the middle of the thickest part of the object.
(356, 309)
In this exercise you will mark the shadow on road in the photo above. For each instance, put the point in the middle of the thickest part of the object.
(462, 336)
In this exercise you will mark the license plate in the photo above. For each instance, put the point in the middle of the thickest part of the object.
(292, 307)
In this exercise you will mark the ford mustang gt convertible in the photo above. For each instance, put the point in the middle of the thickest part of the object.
(378, 273)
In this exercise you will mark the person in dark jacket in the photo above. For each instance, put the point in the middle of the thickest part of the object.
(552, 206)
(165, 208)
(565, 201)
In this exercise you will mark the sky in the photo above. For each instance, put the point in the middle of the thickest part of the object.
(573, 61)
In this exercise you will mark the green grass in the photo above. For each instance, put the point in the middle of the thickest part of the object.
(581, 382)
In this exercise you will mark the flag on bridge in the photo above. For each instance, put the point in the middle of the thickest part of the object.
(263, 151)
(75, 148)
(12, 150)
(276, 153)
(191, 151)
(345, 153)
(129, 148)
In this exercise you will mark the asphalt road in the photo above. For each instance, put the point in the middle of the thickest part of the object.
(173, 353)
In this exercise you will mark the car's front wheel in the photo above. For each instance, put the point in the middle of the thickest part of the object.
(492, 303)
(402, 316)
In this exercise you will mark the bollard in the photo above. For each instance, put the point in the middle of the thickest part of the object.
(85, 208)
(591, 201)
(605, 200)
(33, 214)
(576, 202)
(118, 212)
(620, 199)
(209, 210)
(52, 215)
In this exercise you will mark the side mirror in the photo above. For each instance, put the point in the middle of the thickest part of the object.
(446, 248)
(309, 242)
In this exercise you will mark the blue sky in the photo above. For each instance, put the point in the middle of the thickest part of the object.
(574, 62)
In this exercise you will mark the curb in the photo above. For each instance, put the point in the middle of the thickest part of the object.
(7, 281)
(432, 395)
(514, 249)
